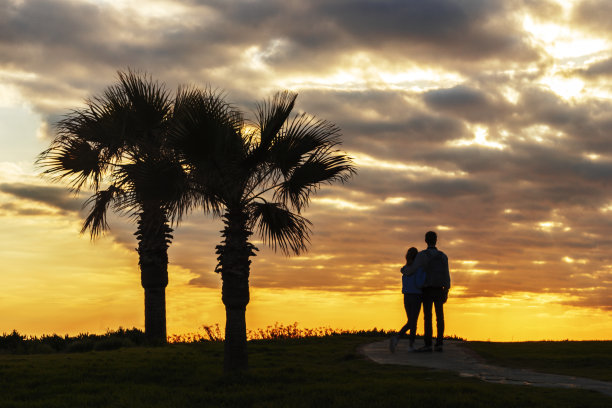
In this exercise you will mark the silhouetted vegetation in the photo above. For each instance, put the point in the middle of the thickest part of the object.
(16, 343)
(306, 372)
(116, 147)
(258, 175)
(276, 332)
(154, 156)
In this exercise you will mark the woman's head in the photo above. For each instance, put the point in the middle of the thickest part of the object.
(411, 254)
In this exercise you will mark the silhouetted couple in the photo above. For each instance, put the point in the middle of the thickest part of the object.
(426, 281)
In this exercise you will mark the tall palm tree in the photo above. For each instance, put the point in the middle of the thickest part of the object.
(116, 147)
(258, 176)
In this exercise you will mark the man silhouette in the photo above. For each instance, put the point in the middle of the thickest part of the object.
(435, 289)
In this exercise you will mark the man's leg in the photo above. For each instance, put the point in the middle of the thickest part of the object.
(427, 317)
(439, 306)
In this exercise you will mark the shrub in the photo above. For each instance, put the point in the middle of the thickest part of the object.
(41, 348)
(112, 343)
(80, 346)
(13, 341)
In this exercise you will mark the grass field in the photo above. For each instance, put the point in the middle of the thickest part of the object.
(311, 372)
(589, 359)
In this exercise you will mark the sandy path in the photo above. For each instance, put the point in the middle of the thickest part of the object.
(468, 364)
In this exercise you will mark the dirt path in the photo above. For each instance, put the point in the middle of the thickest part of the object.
(468, 364)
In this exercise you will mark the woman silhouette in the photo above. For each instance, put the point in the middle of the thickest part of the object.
(411, 288)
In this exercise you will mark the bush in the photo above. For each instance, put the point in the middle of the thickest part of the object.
(41, 348)
(80, 346)
(112, 343)
(15, 343)
(12, 342)
(54, 341)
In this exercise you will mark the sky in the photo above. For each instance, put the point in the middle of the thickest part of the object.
(488, 121)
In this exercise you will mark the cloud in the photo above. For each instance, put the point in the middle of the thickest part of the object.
(441, 29)
(466, 102)
(9, 209)
(598, 298)
(257, 41)
(601, 68)
(592, 14)
(57, 197)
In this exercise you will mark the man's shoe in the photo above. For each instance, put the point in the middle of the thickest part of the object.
(393, 343)
(438, 348)
(424, 349)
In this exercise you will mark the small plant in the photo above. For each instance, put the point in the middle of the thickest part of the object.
(15, 343)
(276, 332)
(12, 342)
(112, 343)
(80, 346)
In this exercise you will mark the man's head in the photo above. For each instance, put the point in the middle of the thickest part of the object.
(431, 238)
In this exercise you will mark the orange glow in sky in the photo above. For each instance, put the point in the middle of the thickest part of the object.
(488, 122)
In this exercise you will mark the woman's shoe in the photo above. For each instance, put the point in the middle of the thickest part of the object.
(393, 343)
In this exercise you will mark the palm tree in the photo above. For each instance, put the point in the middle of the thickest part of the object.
(258, 176)
(116, 147)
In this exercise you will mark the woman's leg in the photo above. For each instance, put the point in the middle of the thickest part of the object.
(413, 317)
(395, 339)
(407, 306)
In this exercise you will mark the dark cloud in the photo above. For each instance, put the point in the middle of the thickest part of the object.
(466, 102)
(586, 123)
(54, 39)
(14, 209)
(598, 69)
(599, 298)
(440, 29)
(58, 197)
(593, 14)
(543, 9)
(386, 124)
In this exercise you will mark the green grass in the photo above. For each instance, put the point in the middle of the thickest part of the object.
(589, 359)
(311, 372)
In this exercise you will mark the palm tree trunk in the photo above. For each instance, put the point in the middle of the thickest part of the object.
(234, 265)
(153, 236)
(155, 315)
(235, 357)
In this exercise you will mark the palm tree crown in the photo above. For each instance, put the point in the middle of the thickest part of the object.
(258, 176)
(116, 147)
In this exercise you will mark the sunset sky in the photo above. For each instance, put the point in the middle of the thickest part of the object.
(488, 121)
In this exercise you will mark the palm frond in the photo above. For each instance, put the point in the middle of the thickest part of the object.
(280, 228)
(73, 159)
(149, 103)
(304, 134)
(206, 127)
(131, 114)
(324, 166)
(207, 138)
(158, 179)
(272, 114)
(96, 219)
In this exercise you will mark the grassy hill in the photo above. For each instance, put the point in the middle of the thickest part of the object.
(307, 372)
(589, 359)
